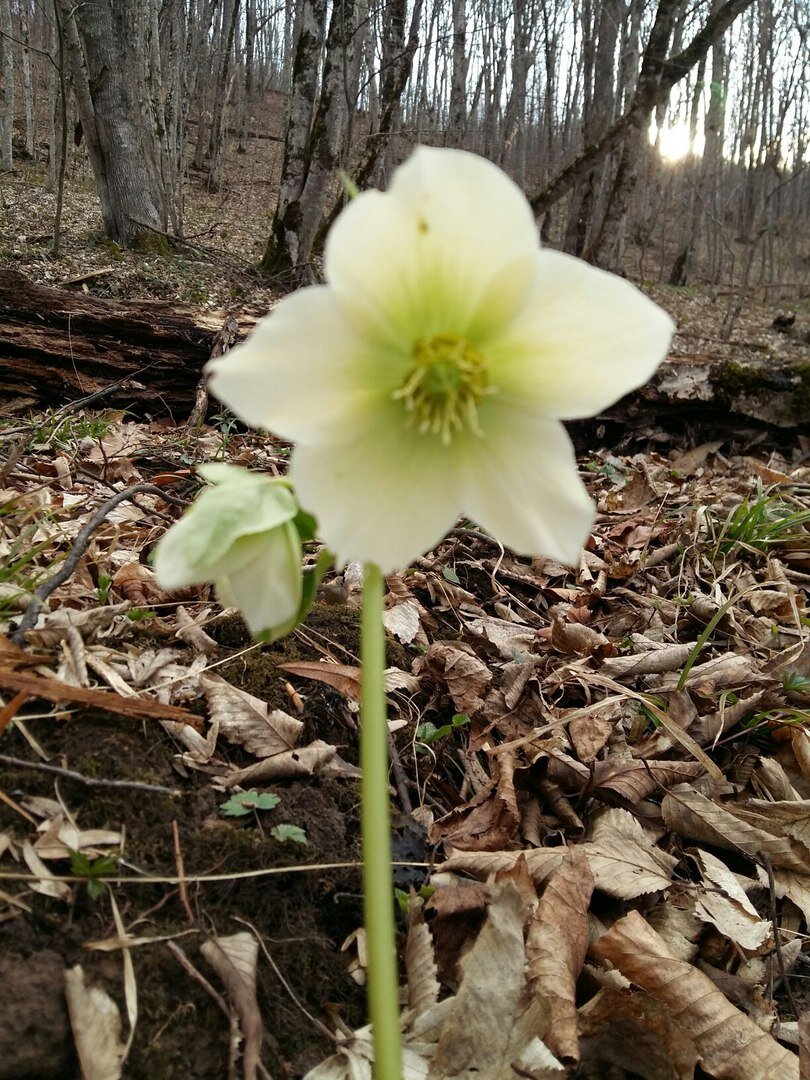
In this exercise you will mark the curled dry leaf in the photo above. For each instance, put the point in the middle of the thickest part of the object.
(465, 676)
(341, 677)
(693, 815)
(493, 1021)
(420, 962)
(234, 960)
(621, 1033)
(96, 1025)
(723, 902)
(136, 583)
(634, 780)
(730, 1046)
(307, 761)
(556, 945)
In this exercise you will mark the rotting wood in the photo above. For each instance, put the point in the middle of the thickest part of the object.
(57, 346)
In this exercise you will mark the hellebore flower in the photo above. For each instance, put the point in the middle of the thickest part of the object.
(429, 376)
(241, 535)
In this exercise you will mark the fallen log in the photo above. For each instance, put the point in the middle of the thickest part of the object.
(58, 346)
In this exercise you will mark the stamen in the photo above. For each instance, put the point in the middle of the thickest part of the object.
(445, 386)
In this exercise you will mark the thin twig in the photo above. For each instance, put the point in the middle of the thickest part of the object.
(41, 594)
(89, 781)
(181, 873)
(777, 937)
(324, 1030)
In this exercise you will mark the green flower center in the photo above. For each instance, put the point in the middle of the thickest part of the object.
(445, 386)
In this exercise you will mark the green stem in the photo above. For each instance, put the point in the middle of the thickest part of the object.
(378, 886)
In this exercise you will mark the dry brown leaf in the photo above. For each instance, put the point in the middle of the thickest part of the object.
(420, 962)
(44, 884)
(653, 661)
(307, 761)
(247, 721)
(692, 815)
(514, 641)
(402, 620)
(341, 677)
(489, 822)
(575, 639)
(234, 960)
(482, 864)
(465, 676)
(623, 858)
(556, 945)
(136, 583)
(96, 1025)
(634, 780)
(730, 1045)
(723, 902)
(621, 1033)
(590, 733)
(492, 1022)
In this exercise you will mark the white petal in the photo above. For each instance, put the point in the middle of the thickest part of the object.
(583, 339)
(432, 254)
(267, 590)
(304, 366)
(384, 495)
(522, 485)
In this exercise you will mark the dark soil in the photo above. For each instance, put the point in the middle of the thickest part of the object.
(301, 917)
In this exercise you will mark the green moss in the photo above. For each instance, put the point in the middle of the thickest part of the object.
(151, 243)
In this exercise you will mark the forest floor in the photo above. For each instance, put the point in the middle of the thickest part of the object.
(601, 774)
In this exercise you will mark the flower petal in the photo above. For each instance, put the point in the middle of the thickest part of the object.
(582, 340)
(267, 588)
(429, 255)
(522, 485)
(303, 366)
(385, 494)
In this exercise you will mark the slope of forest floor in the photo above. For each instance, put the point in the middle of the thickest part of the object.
(601, 774)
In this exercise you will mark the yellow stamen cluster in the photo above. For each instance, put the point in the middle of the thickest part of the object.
(445, 386)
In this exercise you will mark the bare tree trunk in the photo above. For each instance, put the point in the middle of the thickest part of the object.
(221, 94)
(457, 122)
(281, 254)
(27, 84)
(329, 124)
(6, 87)
(97, 40)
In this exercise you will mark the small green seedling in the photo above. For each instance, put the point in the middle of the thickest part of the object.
(402, 897)
(103, 588)
(427, 734)
(246, 802)
(289, 832)
(93, 871)
(793, 682)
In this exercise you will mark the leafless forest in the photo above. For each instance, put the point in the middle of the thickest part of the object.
(662, 138)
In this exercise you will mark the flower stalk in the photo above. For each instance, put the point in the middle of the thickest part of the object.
(378, 887)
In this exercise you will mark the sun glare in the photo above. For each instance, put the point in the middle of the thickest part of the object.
(673, 141)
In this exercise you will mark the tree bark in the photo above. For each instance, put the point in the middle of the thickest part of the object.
(281, 253)
(122, 151)
(58, 346)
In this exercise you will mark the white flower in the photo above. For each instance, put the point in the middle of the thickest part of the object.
(241, 535)
(429, 376)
